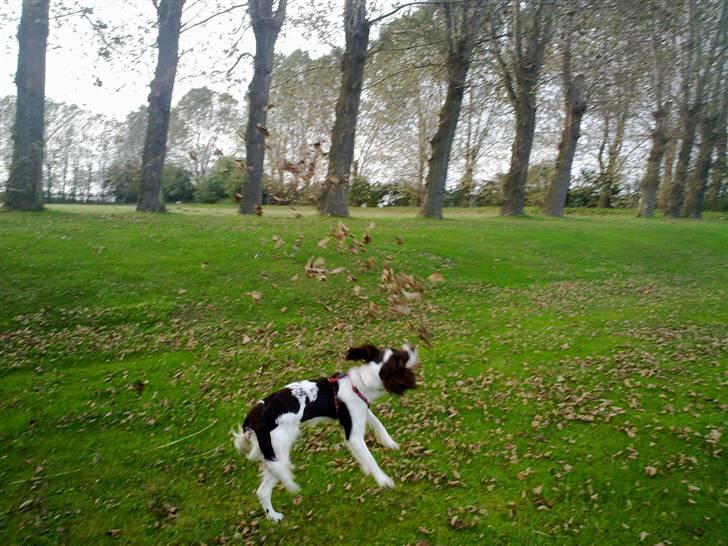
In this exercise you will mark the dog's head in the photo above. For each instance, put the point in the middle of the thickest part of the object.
(395, 367)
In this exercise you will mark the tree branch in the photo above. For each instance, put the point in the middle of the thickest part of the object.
(207, 19)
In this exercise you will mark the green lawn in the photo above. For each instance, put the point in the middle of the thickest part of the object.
(574, 392)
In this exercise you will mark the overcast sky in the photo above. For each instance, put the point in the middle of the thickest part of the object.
(76, 74)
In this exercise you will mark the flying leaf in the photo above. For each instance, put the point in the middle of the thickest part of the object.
(262, 130)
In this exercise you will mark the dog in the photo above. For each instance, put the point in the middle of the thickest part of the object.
(272, 425)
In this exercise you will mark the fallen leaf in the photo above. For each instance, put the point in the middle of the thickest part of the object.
(257, 296)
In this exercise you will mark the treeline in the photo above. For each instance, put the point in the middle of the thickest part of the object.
(472, 103)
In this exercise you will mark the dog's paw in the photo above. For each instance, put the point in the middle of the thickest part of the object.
(391, 444)
(293, 487)
(274, 516)
(385, 481)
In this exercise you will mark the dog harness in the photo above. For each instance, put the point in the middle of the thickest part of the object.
(334, 380)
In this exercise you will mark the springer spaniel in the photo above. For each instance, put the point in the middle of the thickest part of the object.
(272, 425)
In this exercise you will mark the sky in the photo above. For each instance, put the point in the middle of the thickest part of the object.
(76, 74)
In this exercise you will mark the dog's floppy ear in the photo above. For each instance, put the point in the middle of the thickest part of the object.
(412, 359)
(367, 353)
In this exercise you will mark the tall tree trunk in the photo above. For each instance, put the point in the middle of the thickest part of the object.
(463, 25)
(266, 26)
(695, 193)
(530, 39)
(466, 184)
(514, 188)
(719, 172)
(25, 183)
(667, 172)
(677, 187)
(575, 107)
(169, 14)
(610, 176)
(651, 180)
(335, 189)
(441, 143)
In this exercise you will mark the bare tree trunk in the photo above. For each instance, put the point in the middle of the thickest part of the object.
(463, 24)
(514, 188)
(719, 173)
(559, 187)
(695, 194)
(25, 183)
(666, 184)
(675, 193)
(610, 176)
(575, 107)
(521, 79)
(335, 189)
(169, 14)
(698, 67)
(651, 180)
(441, 143)
(466, 184)
(266, 26)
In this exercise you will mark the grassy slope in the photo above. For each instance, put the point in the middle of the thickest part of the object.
(569, 355)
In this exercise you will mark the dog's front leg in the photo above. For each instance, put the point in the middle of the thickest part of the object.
(361, 453)
(380, 432)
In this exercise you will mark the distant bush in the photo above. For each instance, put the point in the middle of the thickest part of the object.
(583, 190)
(177, 184)
(210, 189)
(122, 181)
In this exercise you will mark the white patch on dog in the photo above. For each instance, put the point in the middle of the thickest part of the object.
(303, 390)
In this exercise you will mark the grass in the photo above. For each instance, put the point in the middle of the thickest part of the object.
(575, 390)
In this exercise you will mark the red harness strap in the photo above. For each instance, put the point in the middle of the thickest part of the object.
(334, 380)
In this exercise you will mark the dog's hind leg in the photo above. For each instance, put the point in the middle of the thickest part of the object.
(265, 490)
(282, 439)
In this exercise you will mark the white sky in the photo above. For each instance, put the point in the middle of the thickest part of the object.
(73, 65)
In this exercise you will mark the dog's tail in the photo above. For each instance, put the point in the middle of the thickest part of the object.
(243, 441)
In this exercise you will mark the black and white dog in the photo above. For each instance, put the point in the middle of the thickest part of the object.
(271, 427)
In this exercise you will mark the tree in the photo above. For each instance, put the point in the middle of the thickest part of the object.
(333, 199)
(406, 89)
(660, 135)
(463, 23)
(294, 151)
(24, 187)
(202, 124)
(699, 54)
(574, 108)
(529, 33)
(169, 14)
(709, 124)
(719, 171)
(266, 26)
